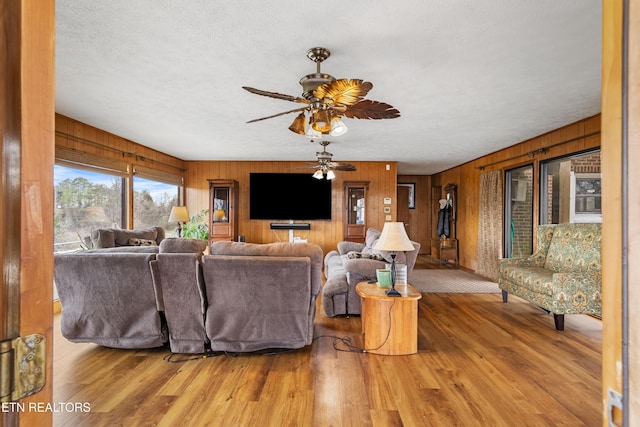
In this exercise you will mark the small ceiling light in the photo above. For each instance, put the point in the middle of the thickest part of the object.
(337, 126)
(320, 122)
(312, 133)
(330, 174)
(318, 174)
(298, 124)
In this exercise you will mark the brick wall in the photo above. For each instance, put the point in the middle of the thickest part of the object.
(586, 164)
(522, 215)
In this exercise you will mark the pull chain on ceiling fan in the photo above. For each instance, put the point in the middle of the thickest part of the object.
(326, 100)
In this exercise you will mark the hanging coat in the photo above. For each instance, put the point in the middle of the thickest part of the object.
(443, 221)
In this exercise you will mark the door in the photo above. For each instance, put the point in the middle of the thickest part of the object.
(26, 188)
(518, 212)
(355, 210)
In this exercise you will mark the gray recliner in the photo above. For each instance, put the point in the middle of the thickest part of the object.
(109, 298)
(177, 274)
(261, 296)
(353, 263)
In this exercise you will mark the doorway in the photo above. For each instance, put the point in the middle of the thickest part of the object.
(518, 215)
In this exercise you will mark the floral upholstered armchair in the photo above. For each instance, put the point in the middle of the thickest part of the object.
(564, 276)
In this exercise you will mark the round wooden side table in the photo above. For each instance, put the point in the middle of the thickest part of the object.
(389, 324)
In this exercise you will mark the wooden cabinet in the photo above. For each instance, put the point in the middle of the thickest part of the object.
(446, 250)
(355, 219)
(223, 212)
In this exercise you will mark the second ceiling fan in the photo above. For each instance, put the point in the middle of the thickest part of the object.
(326, 100)
(325, 166)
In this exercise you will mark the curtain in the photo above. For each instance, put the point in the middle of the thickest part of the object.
(490, 225)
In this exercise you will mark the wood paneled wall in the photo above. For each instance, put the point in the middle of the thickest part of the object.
(467, 175)
(324, 233)
(420, 218)
(84, 138)
(382, 182)
(73, 134)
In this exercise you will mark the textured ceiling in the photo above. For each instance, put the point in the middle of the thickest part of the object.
(468, 77)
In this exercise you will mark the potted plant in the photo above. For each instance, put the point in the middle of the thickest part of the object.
(197, 227)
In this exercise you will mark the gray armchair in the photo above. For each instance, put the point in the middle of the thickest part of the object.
(353, 263)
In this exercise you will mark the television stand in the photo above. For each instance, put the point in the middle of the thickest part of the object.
(291, 226)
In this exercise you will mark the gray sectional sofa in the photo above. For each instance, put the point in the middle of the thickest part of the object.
(242, 297)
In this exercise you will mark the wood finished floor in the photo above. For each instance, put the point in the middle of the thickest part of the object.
(480, 363)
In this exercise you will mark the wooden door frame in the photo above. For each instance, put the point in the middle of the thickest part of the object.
(27, 121)
(621, 207)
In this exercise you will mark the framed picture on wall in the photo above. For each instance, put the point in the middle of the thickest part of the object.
(412, 193)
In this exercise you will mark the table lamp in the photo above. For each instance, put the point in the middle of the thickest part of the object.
(179, 214)
(393, 239)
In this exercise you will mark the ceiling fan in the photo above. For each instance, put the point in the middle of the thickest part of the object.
(326, 100)
(325, 166)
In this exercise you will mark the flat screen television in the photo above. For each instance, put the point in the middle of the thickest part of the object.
(289, 196)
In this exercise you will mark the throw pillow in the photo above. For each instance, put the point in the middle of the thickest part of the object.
(122, 236)
(103, 238)
(355, 255)
(142, 242)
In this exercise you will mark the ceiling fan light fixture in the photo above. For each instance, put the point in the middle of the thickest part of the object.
(298, 125)
(338, 127)
(318, 174)
(320, 122)
(312, 133)
(330, 174)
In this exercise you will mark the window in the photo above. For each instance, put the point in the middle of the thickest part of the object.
(570, 189)
(152, 203)
(84, 200)
(586, 197)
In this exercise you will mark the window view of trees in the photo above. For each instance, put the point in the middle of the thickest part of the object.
(86, 200)
(152, 203)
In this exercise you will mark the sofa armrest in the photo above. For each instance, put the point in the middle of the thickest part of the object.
(346, 247)
(362, 269)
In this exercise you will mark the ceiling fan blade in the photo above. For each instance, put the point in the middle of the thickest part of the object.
(308, 166)
(279, 114)
(373, 110)
(345, 167)
(343, 91)
(276, 95)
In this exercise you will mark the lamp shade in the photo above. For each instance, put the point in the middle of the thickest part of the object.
(338, 127)
(320, 122)
(394, 238)
(179, 214)
(298, 124)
